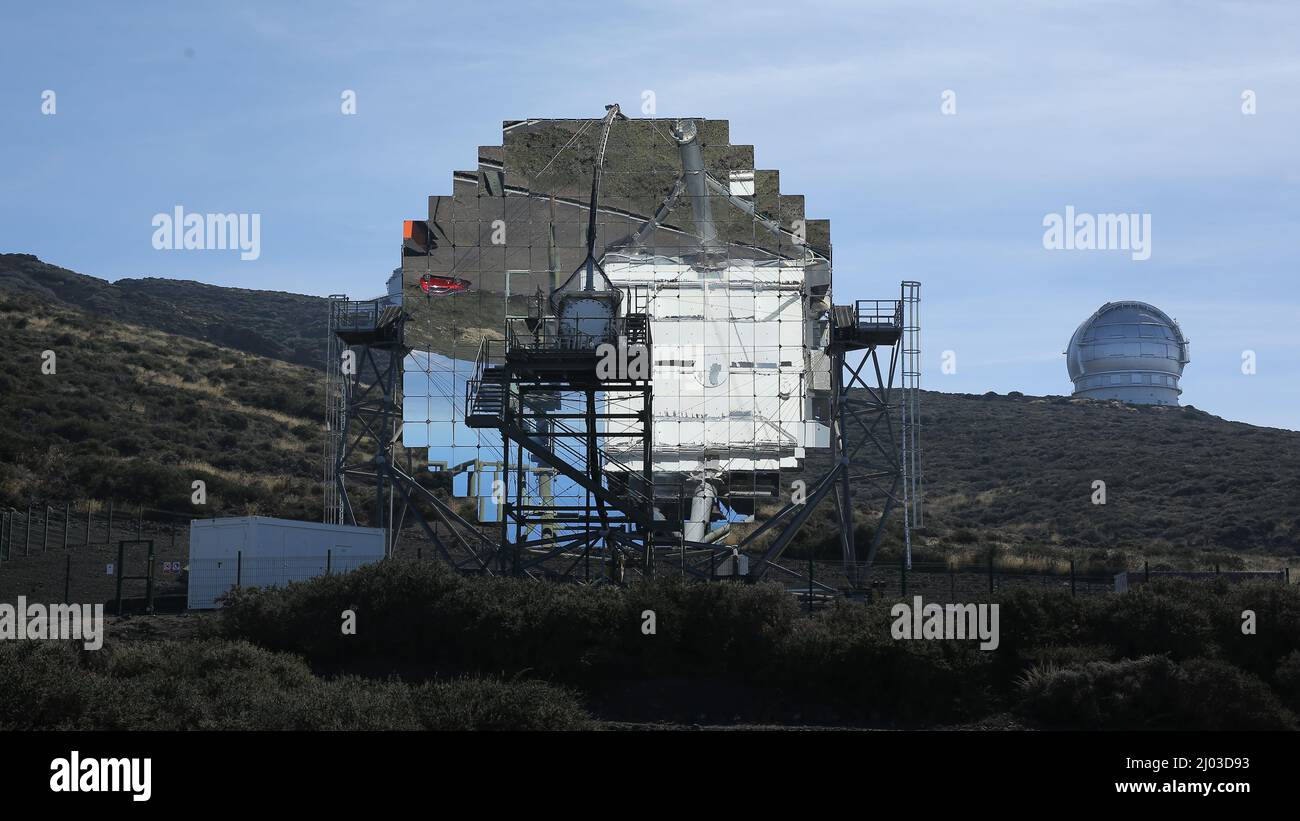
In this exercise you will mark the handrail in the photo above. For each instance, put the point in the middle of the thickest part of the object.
(547, 337)
(353, 315)
(879, 312)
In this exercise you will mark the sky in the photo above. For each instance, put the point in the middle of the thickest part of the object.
(936, 137)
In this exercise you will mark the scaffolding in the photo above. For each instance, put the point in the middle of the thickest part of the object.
(911, 413)
(334, 405)
(555, 413)
(368, 338)
(868, 453)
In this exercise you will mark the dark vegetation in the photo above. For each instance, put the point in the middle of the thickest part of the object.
(1168, 655)
(208, 684)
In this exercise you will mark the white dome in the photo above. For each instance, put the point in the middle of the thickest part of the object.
(1130, 351)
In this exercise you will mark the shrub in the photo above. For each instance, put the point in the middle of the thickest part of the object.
(490, 704)
(1155, 619)
(1286, 680)
(1219, 696)
(1060, 660)
(847, 659)
(1277, 629)
(421, 616)
(1152, 692)
(44, 687)
(221, 685)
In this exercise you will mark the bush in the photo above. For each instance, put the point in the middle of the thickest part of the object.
(1152, 692)
(845, 659)
(222, 685)
(1286, 680)
(45, 687)
(422, 615)
(841, 665)
(1158, 618)
(1277, 630)
(490, 704)
(1218, 696)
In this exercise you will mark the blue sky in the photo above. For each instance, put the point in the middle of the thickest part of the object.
(1106, 106)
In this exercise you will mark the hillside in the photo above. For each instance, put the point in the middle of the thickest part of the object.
(274, 324)
(1017, 472)
(136, 412)
(1023, 467)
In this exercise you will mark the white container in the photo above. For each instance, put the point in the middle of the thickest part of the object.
(258, 551)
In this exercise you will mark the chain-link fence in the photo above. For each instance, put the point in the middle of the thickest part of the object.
(70, 552)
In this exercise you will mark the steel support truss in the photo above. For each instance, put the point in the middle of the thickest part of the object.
(554, 432)
(366, 446)
(868, 447)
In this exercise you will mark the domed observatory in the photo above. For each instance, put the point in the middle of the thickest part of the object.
(1129, 351)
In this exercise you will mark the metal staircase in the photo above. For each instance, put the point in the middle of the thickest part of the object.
(486, 398)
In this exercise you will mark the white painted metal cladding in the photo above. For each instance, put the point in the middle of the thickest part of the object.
(1131, 351)
(732, 354)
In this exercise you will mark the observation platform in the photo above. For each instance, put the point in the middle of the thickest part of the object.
(372, 322)
(865, 324)
(541, 353)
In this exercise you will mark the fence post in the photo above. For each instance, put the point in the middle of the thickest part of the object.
(1071, 577)
(990, 570)
(67, 511)
(45, 528)
(810, 580)
(67, 577)
(27, 540)
(148, 581)
(239, 568)
(90, 506)
(108, 528)
(121, 569)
